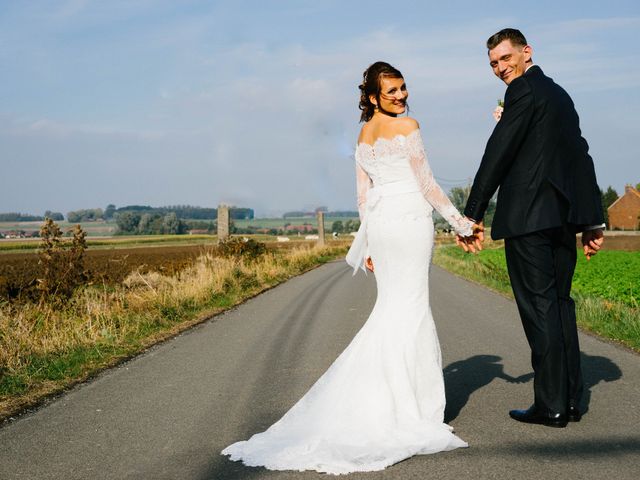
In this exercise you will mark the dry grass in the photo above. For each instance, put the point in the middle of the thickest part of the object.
(45, 349)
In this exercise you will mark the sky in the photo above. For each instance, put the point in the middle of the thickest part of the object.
(254, 103)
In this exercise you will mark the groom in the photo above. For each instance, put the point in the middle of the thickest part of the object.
(548, 193)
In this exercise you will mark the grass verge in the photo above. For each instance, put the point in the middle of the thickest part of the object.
(45, 349)
(615, 318)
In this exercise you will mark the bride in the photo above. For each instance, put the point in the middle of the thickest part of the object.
(383, 398)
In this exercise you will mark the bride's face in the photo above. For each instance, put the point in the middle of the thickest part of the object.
(393, 95)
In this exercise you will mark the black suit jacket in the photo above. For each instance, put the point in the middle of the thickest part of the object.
(538, 158)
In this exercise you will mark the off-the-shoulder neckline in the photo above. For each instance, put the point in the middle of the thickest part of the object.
(389, 139)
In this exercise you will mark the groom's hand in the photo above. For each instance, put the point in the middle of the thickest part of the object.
(478, 232)
(592, 241)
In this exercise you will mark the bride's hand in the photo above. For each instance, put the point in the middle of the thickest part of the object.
(368, 263)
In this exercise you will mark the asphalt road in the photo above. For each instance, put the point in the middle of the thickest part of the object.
(169, 412)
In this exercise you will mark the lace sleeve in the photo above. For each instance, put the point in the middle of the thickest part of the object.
(363, 183)
(431, 190)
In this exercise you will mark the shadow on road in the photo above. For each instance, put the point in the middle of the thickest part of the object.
(463, 378)
(561, 450)
(225, 469)
(596, 369)
(466, 376)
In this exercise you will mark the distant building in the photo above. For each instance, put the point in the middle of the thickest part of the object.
(624, 213)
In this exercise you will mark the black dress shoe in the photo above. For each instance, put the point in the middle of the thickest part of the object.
(573, 414)
(534, 415)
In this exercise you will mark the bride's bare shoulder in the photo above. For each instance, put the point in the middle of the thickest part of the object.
(404, 125)
(366, 134)
(388, 128)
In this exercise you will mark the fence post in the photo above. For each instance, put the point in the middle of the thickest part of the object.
(223, 222)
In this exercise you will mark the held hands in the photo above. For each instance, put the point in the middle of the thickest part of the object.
(472, 243)
(592, 241)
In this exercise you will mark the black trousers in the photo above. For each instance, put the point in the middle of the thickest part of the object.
(541, 266)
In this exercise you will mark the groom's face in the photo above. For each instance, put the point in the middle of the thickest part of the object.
(508, 61)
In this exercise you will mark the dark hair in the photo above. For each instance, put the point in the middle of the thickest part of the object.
(514, 36)
(371, 86)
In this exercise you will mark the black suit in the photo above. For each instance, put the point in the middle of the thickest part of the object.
(548, 192)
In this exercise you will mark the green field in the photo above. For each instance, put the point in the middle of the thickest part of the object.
(606, 288)
(611, 275)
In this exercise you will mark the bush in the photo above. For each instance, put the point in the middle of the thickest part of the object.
(62, 263)
(240, 247)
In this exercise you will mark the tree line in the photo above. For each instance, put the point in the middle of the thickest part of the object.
(139, 223)
(24, 217)
(181, 211)
(339, 213)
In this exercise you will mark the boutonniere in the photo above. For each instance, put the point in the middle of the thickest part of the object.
(497, 113)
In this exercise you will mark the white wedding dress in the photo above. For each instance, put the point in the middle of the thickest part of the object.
(383, 398)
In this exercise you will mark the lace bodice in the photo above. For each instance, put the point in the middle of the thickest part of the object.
(403, 158)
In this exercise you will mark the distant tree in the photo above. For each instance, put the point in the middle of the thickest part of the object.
(297, 214)
(337, 227)
(145, 226)
(489, 212)
(134, 208)
(348, 226)
(459, 197)
(127, 222)
(55, 216)
(637, 186)
(19, 217)
(201, 225)
(241, 213)
(608, 198)
(73, 217)
(110, 211)
(86, 215)
(171, 224)
(345, 213)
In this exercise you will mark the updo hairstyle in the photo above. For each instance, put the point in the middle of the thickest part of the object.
(371, 79)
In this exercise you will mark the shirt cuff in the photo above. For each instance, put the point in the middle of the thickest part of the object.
(595, 227)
